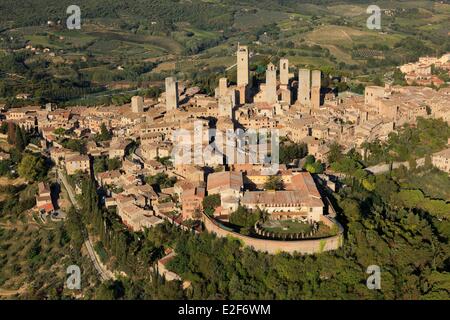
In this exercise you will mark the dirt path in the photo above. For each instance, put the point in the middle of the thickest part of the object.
(9, 293)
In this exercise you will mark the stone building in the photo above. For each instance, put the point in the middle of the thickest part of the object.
(441, 160)
(171, 93)
(242, 73)
(315, 89)
(191, 200)
(137, 104)
(302, 200)
(271, 84)
(284, 72)
(304, 87)
(77, 163)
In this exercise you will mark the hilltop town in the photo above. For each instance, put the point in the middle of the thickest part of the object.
(131, 155)
(224, 150)
(140, 138)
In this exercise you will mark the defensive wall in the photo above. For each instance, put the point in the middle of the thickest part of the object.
(306, 246)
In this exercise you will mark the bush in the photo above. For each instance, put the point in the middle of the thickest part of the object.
(210, 203)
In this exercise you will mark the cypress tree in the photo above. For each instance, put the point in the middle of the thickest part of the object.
(11, 133)
(20, 140)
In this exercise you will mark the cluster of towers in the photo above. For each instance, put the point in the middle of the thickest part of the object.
(273, 91)
(309, 88)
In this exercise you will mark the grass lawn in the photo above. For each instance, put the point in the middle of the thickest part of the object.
(287, 226)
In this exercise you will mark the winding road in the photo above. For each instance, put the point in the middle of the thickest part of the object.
(105, 274)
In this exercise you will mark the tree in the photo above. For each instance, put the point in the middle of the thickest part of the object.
(4, 127)
(110, 290)
(104, 134)
(244, 217)
(385, 187)
(291, 151)
(409, 198)
(74, 227)
(5, 167)
(20, 141)
(161, 180)
(59, 131)
(315, 167)
(75, 145)
(351, 209)
(32, 168)
(274, 183)
(309, 159)
(11, 133)
(99, 165)
(210, 203)
(335, 154)
(114, 164)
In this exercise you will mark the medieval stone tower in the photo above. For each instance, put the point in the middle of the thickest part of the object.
(315, 89)
(242, 73)
(137, 104)
(271, 84)
(304, 87)
(171, 93)
(226, 106)
(284, 72)
(223, 87)
(284, 81)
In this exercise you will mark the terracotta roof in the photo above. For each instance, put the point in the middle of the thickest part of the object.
(77, 157)
(304, 182)
(285, 198)
(226, 180)
(47, 207)
(198, 191)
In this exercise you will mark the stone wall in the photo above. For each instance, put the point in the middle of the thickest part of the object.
(310, 246)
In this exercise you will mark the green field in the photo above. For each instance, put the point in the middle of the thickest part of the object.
(433, 183)
(202, 36)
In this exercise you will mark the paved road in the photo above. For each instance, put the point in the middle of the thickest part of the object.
(62, 177)
(382, 168)
(250, 55)
(104, 273)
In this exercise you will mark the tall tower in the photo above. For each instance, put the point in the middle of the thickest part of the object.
(223, 87)
(304, 87)
(284, 72)
(315, 89)
(226, 106)
(271, 84)
(171, 93)
(242, 72)
(137, 104)
(242, 65)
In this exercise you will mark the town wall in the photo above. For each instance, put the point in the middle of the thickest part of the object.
(310, 246)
